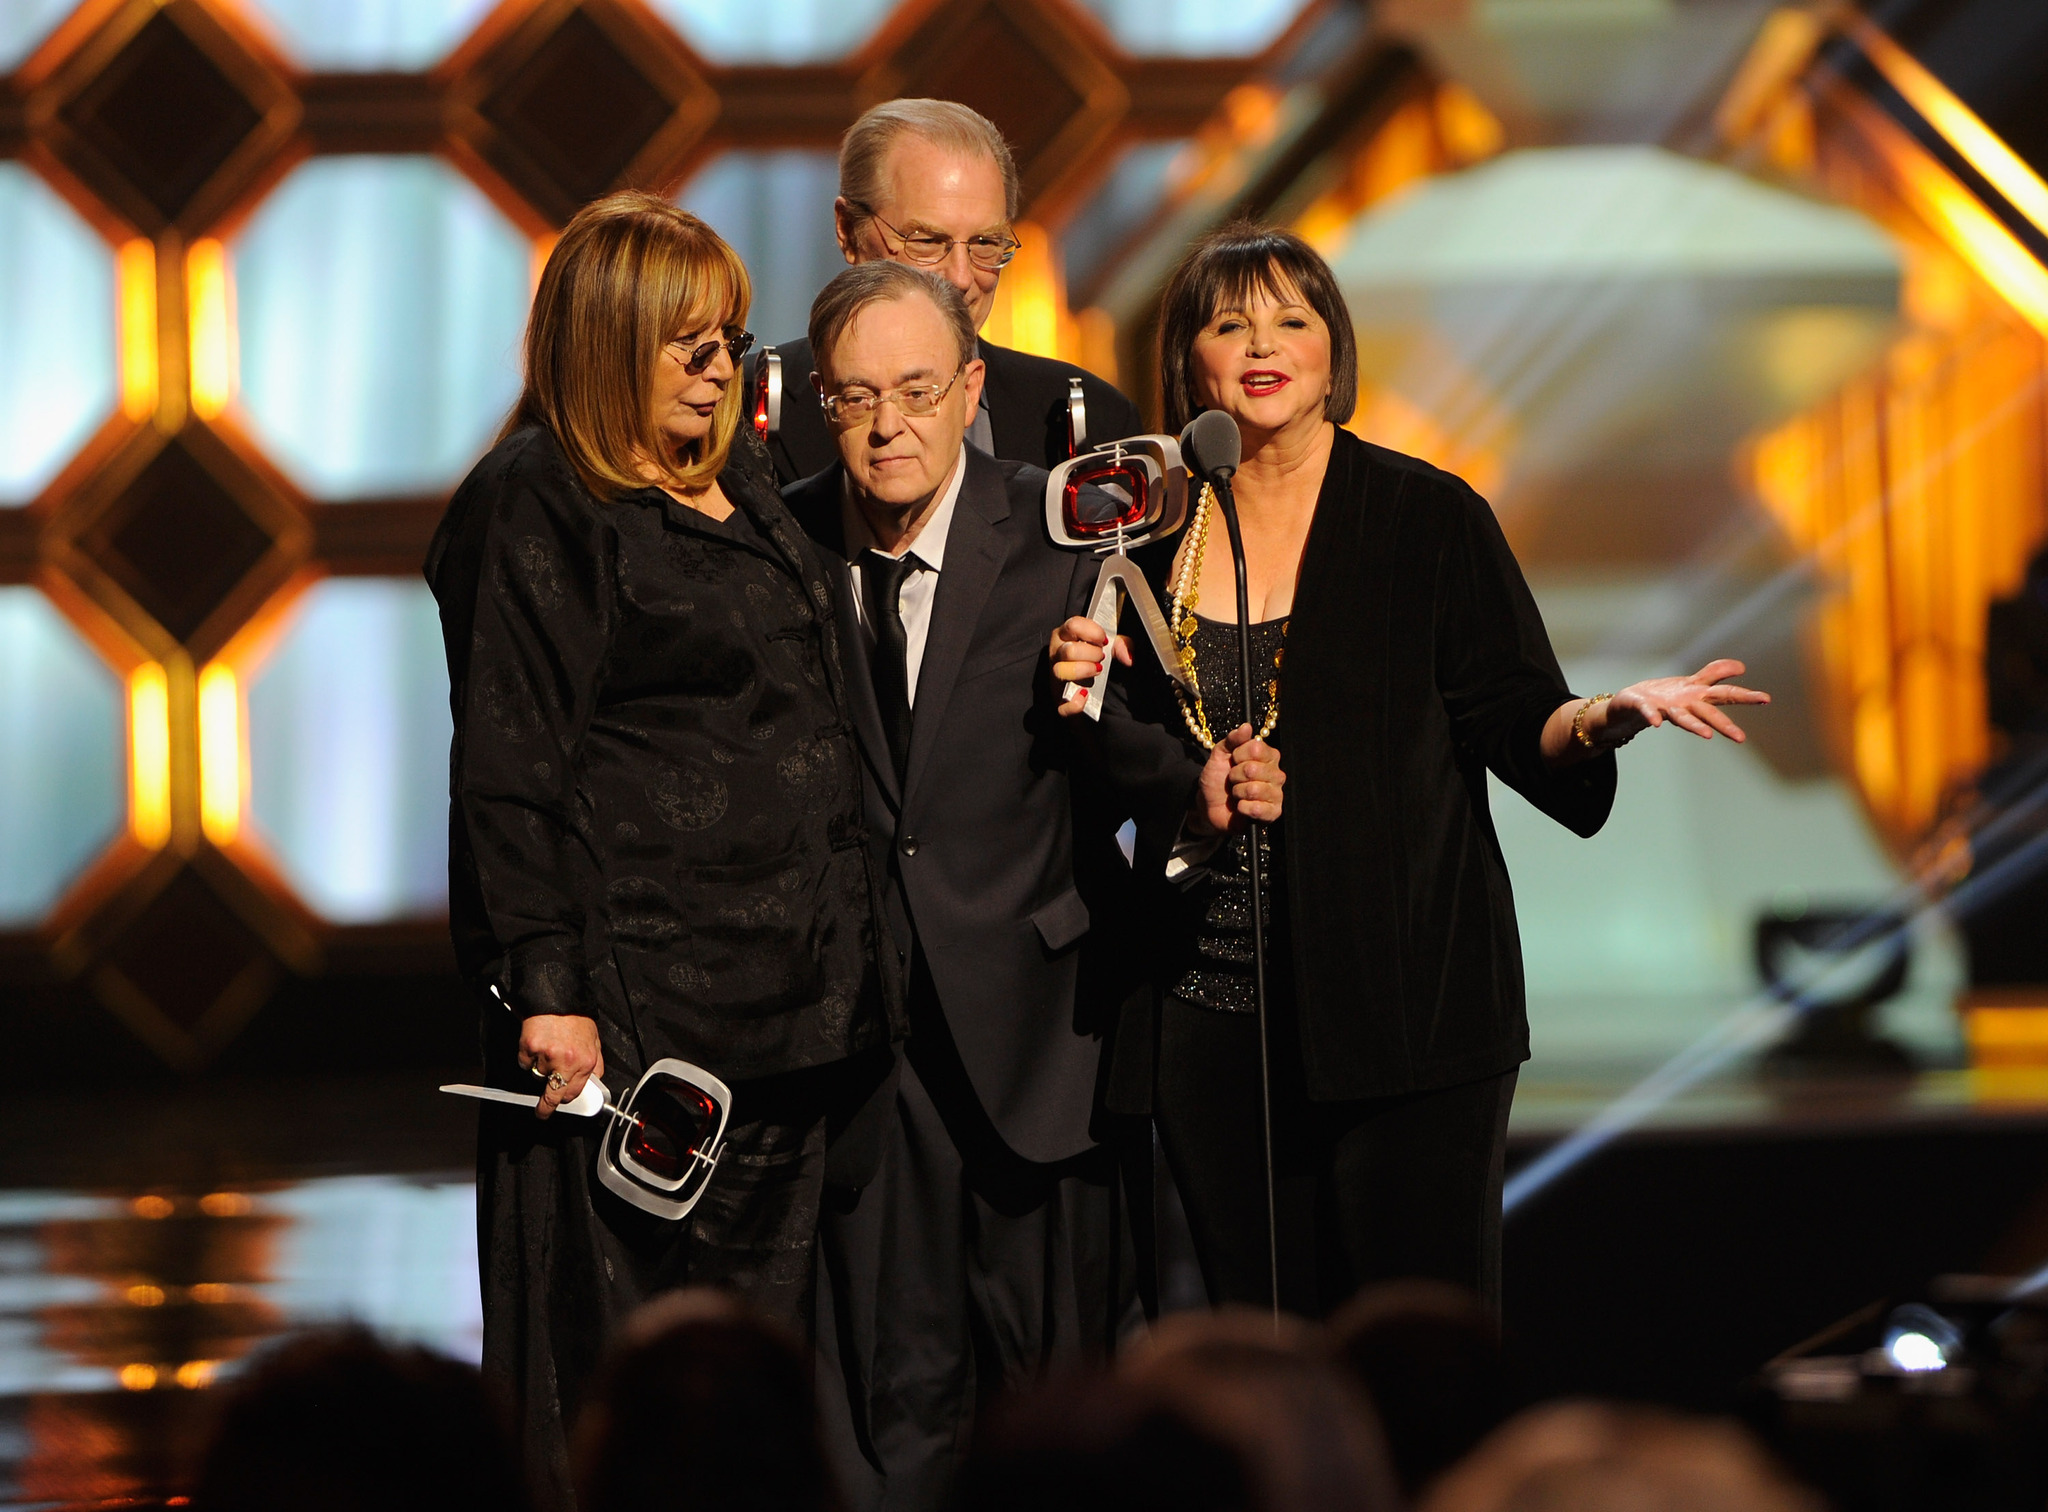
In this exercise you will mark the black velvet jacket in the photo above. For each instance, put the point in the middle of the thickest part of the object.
(1026, 399)
(655, 814)
(1416, 662)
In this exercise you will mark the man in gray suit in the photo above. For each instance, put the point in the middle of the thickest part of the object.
(985, 1246)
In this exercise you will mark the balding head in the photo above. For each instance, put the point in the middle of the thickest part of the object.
(932, 172)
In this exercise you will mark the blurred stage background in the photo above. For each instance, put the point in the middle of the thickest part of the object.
(1734, 310)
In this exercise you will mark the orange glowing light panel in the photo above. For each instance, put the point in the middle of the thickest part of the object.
(220, 754)
(149, 756)
(136, 267)
(209, 295)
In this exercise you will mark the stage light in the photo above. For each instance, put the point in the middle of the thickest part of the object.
(149, 756)
(209, 299)
(1918, 1340)
(136, 269)
(220, 754)
(1978, 145)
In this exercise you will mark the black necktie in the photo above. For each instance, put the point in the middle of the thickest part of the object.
(881, 581)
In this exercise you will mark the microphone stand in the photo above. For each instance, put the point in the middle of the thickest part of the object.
(1226, 504)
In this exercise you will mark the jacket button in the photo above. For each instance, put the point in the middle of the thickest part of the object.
(909, 845)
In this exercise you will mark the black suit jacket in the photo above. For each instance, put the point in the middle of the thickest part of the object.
(1002, 863)
(1416, 663)
(1026, 398)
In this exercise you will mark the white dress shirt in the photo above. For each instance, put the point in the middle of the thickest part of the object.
(927, 552)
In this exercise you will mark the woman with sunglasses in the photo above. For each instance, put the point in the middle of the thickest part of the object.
(656, 842)
(1398, 658)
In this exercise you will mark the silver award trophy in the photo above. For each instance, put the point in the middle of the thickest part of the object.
(1111, 500)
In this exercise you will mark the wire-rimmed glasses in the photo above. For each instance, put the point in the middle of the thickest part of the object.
(928, 249)
(850, 406)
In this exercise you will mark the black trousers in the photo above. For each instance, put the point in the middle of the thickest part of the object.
(564, 1260)
(958, 1271)
(1367, 1191)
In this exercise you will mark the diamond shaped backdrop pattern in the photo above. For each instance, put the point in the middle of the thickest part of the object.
(290, 362)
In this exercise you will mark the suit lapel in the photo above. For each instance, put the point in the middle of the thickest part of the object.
(815, 505)
(974, 560)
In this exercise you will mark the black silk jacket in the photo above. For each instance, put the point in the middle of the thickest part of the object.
(1416, 662)
(655, 815)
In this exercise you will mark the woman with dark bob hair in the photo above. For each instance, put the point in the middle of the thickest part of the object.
(1403, 658)
(656, 843)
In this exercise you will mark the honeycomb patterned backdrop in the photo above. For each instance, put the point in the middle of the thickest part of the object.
(264, 266)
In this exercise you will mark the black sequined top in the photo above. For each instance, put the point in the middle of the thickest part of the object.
(1218, 973)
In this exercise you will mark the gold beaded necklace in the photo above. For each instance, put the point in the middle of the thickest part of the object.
(1187, 590)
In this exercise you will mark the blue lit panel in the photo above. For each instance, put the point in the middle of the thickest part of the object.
(62, 773)
(23, 25)
(774, 31)
(348, 751)
(1195, 28)
(1134, 191)
(356, 35)
(776, 210)
(57, 343)
(381, 305)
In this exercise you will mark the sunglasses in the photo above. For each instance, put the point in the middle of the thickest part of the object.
(697, 358)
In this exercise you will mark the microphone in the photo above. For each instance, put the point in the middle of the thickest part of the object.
(1211, 446)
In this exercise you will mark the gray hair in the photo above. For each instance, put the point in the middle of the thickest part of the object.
(882, 282)
(864, 150)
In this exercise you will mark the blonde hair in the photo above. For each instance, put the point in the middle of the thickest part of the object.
(865, 148)
(629, 272)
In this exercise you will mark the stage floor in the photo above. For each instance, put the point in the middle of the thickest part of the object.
(151, 1239)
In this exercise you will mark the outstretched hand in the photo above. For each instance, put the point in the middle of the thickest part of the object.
(1076, 652)
(1692, 703)
(1241, 780)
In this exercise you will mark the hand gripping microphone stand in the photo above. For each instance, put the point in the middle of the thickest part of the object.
(1211, 448)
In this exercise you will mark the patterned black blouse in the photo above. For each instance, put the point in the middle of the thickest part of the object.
(1215, 969)
(655, 814)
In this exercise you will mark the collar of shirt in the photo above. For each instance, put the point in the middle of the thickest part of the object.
(928, 545)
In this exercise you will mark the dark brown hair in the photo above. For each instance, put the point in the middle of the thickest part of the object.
(881, 282)
(1223, 270)
(630, 272)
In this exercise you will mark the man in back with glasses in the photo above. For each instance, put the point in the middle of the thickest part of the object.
(931, 183)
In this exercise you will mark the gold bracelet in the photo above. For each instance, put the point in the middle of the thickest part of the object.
(1579, 720)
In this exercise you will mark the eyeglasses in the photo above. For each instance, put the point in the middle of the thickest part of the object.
(851, 406)
(697, 358)
(986, 252)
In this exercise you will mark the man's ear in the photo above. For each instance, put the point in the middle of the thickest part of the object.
(971, 379)
(846, 227)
